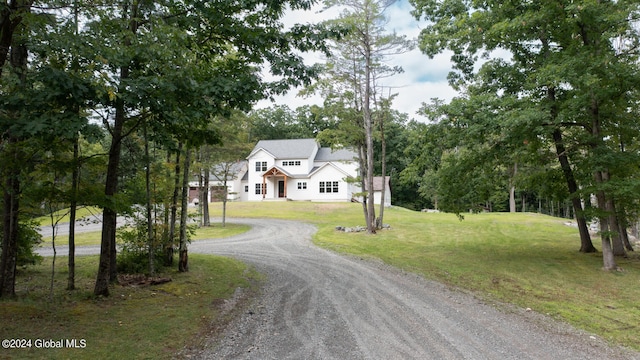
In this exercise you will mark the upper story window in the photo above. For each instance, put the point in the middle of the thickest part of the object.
(261, 166)
(291, 163)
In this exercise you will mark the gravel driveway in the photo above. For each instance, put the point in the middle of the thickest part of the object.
(320, 305)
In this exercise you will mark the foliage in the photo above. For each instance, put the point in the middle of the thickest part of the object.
(561, 66)
(28, 240)
(134, 241)
(280, 122)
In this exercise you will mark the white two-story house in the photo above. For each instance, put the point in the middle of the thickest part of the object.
(299, 169)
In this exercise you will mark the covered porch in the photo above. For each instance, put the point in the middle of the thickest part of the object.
(275, 178)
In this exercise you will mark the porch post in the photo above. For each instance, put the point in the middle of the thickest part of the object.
(264, 186)
(285, 186)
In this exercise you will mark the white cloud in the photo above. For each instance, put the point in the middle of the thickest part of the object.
(422, 80)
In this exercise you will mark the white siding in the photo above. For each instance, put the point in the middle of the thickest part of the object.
(328, 174)
(326, 171)
(255, 177)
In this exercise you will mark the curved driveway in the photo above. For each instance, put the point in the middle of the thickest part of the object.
(320, 305)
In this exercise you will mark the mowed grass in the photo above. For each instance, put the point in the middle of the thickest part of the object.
(62, 216)
(525, 259)
(134, 322)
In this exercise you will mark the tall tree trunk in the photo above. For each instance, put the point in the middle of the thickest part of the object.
(625, 236)
(205, 198)
(11, 203)
(604, 205)
(586, 246)
(183, 262)
(608, 260)
(363, 182)
(174, 210)
(512, 188)
(107, 270)
(368, 129)
(10, 223)
(383, 156)
(106, 266)
(200, 205)
(75, 177)
(150, 235)
(614, 227)
(225, 197)
(11, 16)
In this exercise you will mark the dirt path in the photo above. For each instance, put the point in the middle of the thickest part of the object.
(320, 305)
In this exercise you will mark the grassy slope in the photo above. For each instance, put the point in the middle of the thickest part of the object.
(526, 259)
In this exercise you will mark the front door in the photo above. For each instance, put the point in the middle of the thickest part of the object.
(281, 188)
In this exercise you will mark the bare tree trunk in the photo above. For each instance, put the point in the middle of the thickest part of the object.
(174, 210)
(225, 196)
(625, 236)
(205, 198)
(10, 225)
(616, 237)
(11, 16)
(183, 262)
(586, 246)
(150, 235)
(363, 177)
(18, 58)
(200, 205)
(107, 270)
(512, 188)
(608, 259)
(75, 179)
(368, 129)
(75, 182)
(380, 220)
(55, 253)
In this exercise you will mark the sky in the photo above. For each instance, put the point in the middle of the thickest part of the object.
(422, 80)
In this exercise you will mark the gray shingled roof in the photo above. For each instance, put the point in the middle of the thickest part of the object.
(287, 149)
(326, 154)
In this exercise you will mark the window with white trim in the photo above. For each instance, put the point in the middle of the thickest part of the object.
(291, 163)
(261, 166)
(261, 189)
(302, 185)
(329, 186)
